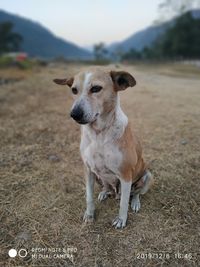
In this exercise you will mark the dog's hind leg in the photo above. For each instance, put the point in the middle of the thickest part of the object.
(105, 193)
(135, 203)
(141, 187)
(110, 189)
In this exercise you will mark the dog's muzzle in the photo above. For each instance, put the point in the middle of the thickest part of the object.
(78, 115)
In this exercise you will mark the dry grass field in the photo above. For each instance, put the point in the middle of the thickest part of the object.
(42, 188)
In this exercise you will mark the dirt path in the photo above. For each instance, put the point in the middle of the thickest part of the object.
(41, 174)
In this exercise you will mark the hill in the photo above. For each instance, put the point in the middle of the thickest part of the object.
(40, 42)
(146, 37)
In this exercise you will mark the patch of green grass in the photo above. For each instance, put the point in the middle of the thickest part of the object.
(26, 64)
(5, 61)
(8, 61)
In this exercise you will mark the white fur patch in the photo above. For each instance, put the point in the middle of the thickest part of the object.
(99, 151)
(87, 80)
(121, 116)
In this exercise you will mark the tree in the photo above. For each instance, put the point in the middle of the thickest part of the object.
(132, 54)
(100, 52)
(172, 8)
(181, 40)
(9, 40)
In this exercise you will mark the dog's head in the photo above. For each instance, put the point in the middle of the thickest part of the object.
(95, 92)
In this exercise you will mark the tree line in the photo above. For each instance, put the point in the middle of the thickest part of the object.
(180, 41)
(9, 40)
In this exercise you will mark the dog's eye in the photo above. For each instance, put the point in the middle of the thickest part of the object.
(74, 90)
(96, 89)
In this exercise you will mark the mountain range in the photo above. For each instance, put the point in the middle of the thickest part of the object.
(40, 42)
(146, 37)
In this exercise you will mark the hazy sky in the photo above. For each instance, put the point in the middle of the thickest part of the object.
(86, 22)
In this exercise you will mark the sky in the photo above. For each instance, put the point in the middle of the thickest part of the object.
(87, 22)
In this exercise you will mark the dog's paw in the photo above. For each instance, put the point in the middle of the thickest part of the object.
(103, 195)
(118, 196)
(88, 218)
(135, 203)
(119, 223)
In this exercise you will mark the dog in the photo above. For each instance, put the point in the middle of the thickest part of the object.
(110, 151)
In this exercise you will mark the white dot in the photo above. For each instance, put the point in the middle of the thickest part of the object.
(12, 252)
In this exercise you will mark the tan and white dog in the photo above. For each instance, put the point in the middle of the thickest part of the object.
(110, 151)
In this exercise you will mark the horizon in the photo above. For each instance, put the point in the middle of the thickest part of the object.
(111, 31)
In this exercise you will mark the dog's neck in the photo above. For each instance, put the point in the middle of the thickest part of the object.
(111, 123)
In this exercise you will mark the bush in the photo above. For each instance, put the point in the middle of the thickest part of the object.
(5, 61)
(9, 61)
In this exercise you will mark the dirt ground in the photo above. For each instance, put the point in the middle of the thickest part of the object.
(41, 174)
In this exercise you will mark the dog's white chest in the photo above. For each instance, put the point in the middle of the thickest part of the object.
(100, 151)
(103, 159)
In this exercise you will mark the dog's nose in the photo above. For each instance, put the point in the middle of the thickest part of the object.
(77, 114)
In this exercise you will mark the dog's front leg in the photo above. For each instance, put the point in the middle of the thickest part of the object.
(89, 213)
(120, 220)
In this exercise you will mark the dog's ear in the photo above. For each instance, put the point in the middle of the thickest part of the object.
(68, 82)
(122, 80)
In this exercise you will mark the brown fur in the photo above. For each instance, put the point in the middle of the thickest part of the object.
(133, 165)
(122, 80)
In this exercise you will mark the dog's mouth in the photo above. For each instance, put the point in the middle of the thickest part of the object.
(82, 122)
(86, 121)
(95, 117)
